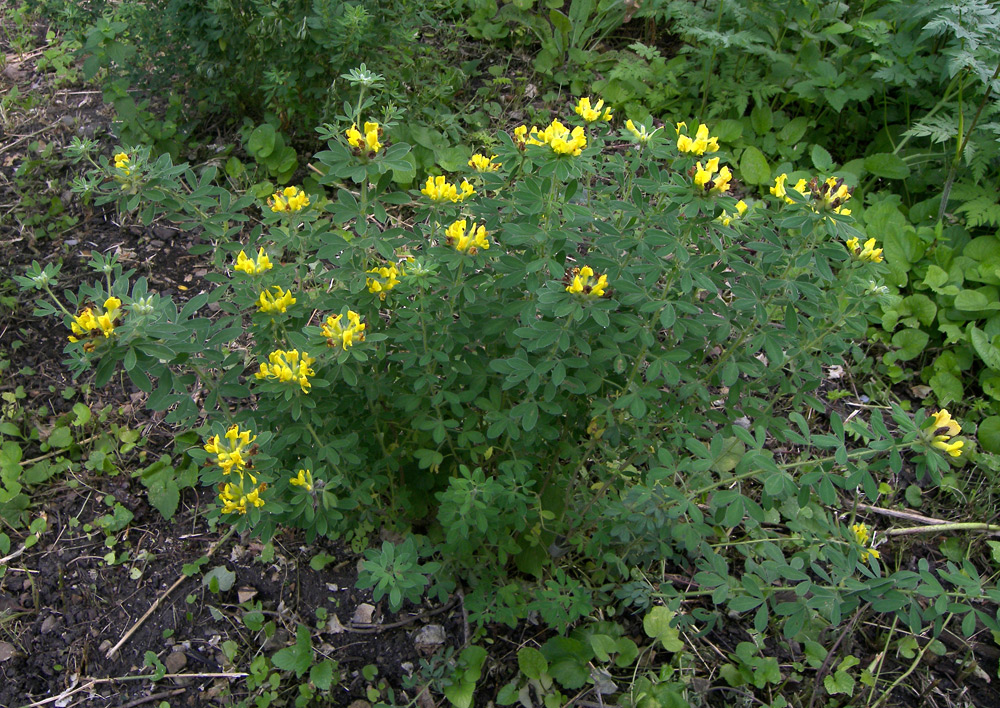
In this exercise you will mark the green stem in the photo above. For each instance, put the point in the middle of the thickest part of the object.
(916, 662)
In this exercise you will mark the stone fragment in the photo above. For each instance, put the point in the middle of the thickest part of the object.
(363, 614)
(428, 638)
(175, 661)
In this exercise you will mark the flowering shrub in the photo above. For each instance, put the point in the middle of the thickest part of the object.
(575, 348)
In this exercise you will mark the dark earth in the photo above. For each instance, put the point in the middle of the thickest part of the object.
(63, 606)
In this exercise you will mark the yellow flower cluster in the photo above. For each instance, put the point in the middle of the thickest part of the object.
(481, 163)
(87, 323)
(304, 479)
(710, 178)
(122, 162)
(289, 199)
(561, 139)
(580, 282)
(592, 113)
(868, 253)
(946, 427)
(726, 218)
(247, 265)
(368, 141)
(232, 456)
(639, 132)
(278, 302)
(388, 278)
(439, 189)
(828, 197)
(339, 336)
(467, 242)
(288, 366)
(701, 143)
(862, 536)
(229, 454)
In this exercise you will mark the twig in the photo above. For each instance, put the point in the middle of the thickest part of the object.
(92, 438)
(11, 146)
(12, 556)
(154, 697)
(935, 528)
(115, 679)
(114, 650)
(828, 661)
(402, 623)
(920, 519)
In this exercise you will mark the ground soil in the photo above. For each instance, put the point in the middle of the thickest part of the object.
(63, 605)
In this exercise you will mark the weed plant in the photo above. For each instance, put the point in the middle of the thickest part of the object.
(577, 361)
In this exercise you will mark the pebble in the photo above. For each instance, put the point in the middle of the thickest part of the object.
(50, 623)
(429, 638)
(175, 661)
(363, 614)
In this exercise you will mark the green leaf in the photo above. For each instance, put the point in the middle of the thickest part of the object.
(947, 387)
(532, 663)
(460, 693)
(821, 158)
(986, 350)
(989, 434)
(298, 657)
(321, 675)
(60, 437)
(657, 626)
(261, 142)
(887, 165)
(754, 167)
(910, 343)
(761, 119)
(222, 576)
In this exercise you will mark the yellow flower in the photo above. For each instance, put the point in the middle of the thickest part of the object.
(304, 479)
(122, 162)
(592, 113)
(288, 366)
(251, 267)
(943, 429)
(339, 336)
(519, 134)
(368, 141)
(229, 454)
(279, 302)
(726, 218)
(710, 178)
(234, 501)
(639, 133)
(289, 199)
(868, 253)
(833, 194)
(388, 278)
(701, 143)
(481, 163)
(580, 282)
(861, 536)
(561, 139)
(438, 189)
(86, 322)
(467, 242)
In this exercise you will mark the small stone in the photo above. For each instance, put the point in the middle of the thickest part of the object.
(175, 661)
(245, 594)
(103, 648)
(429, 638)
(50, 623)
(360, 704)
(333, 626)
(164, 232)
(7, 651)
(277, 640)
(363, 614)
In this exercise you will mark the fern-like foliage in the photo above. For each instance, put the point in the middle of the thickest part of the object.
(980, 203)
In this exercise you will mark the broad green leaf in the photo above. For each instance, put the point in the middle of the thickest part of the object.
(657, 626)
(261, 142)
(989, 436)
(754, 167)
(986, 350)
(910, 343)
(887, 165)
(532, 663)
(321, 674)
(821, 158)
(298, 657)
(947, 387)
(222, 576)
